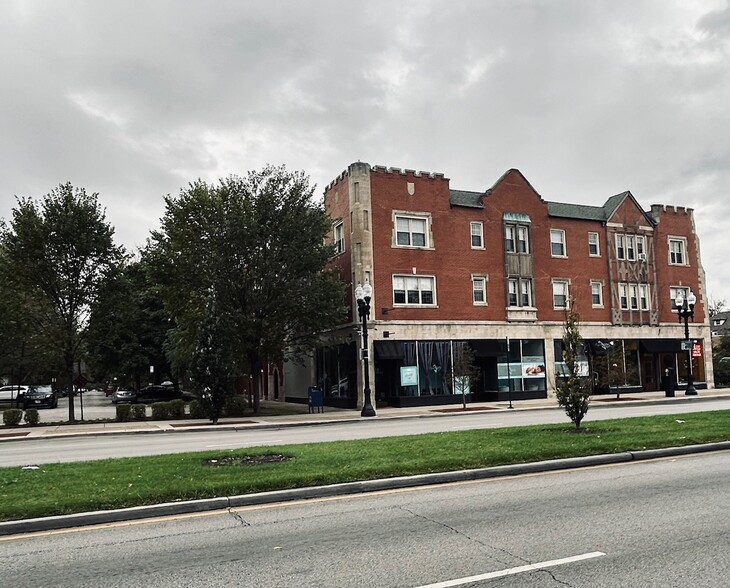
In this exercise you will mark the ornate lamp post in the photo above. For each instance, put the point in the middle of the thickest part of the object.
(363, 295)
(686, 310)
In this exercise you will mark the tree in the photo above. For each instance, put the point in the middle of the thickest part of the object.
(257, 243)
(128, 327)
(464, 372)
(573, 391)
(58, 252)
(715, 306)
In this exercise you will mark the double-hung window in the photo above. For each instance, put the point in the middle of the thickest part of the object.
(596, 294)
(633, 296)
(676, 291)
(560, 294)
(411, 231)
(516, 238)
(630, 247)
(477, 235)
(414, 290)
(557, 243)
(620, 246)
(594, 249)
(338, 237)
(479, 290)
(677, 251)
(519, 292)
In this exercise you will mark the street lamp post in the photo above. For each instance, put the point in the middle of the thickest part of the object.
(686, 310)
(363, 295)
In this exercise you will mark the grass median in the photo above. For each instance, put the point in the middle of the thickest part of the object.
(56, 489)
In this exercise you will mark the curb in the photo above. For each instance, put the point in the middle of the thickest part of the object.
(343, 489)
(166, 428)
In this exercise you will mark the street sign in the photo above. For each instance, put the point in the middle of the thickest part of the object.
(80, 381)
(687, 345)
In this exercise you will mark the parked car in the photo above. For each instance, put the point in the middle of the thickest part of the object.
(158, 393)
(38, 396)
(14, 393)
(124, 395)
(109, 390)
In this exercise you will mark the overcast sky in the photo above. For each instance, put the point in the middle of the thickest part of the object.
(135, 99)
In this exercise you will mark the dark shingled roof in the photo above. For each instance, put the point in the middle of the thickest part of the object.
(583, 211)
(465, 198)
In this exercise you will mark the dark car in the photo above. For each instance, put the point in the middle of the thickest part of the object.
(40, 396)
(158, 393)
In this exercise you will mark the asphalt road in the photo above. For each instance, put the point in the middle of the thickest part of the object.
(56, 450)
(657, 523)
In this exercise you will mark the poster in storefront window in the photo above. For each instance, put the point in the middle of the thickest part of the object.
(533, 370)
(409, 375)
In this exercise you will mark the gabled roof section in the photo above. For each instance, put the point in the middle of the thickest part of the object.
(466, 198)
(596, 213)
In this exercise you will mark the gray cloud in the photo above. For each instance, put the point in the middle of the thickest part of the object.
(135, 99)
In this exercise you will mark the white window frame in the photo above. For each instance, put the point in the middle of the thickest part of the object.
(631, 247)
(634, 296)
(476, 229)
(597, 244)
(641, 247)
(644, 299)
(563, 285)
(623, 296)
(479, 286)
(519, 290)
(557, 239)
(596, 294)
(681, 242)
(338, 237)
(518, 236)
(675, 291)
(620, 246)
(411, 219)
(407, 284)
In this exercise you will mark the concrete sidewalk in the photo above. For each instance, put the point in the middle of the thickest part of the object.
(300, 416)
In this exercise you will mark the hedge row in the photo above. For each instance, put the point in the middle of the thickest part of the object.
(13, 416)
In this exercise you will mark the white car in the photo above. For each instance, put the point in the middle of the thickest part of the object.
(13, 393)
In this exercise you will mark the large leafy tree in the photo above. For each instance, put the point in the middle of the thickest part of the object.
(58, 253)
(249, 251)
(127, 328)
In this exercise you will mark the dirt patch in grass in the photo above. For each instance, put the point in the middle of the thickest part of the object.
(245, 460)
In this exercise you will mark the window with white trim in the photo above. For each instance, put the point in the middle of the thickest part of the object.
(633, 296)
(557, 243)
(677, 251)
(640, 248)
(620, 246)
(411, 231)
(477, 235)
(675, 291)
(414, 290)
(630, 247)
(597, 294)
(338, 237)
(479, 290)
(516, 238)
(560, 294)
(519, 292)
(594, 248)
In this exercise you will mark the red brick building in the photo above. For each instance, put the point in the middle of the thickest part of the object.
(495, 270)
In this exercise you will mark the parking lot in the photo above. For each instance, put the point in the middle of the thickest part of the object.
(90, 405)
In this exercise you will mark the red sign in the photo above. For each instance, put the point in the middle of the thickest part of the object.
(80, 381)
(696, 350)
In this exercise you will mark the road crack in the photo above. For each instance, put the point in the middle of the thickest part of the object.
(497, 551)
(239, 518)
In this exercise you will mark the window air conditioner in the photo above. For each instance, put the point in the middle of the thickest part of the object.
(641, 257)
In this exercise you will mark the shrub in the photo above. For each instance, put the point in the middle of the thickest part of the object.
(31, 416)
(139, 412)
(196, 408)
(177, 408)
(160, 411)
(123, 412)
(235, 406)
(12, 416)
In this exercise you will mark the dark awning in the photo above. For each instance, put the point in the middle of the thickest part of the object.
(661, 345)
(488, 347)
(389, 350)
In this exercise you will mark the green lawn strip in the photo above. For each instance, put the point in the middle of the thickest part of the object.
(56, 489)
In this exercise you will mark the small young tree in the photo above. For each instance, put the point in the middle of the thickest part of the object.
(464, 372)
(573, 391)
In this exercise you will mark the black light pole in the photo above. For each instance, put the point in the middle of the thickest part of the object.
(686, 310)
(363, 295)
